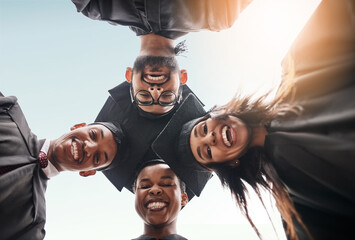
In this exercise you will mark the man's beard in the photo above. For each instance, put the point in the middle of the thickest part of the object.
(155, 62)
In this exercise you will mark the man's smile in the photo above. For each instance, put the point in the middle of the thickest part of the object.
(155, 77)
(76, 150)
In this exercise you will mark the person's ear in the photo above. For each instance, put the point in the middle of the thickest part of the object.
(129, 74)
(87, 173)
(79, 125)
(183, 76)
(234, 163)
(184, 199)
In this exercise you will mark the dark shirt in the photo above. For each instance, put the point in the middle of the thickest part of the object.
(314, 153)
(169, 237)
(140, 130)
(22, 190)
(168, 18)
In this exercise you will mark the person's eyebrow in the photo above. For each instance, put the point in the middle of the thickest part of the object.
(198, 148)
(167, 177)
(195, 131)
(144, 180)
(102, 137)
(199, 153)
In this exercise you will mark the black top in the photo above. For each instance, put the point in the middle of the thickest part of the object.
(168, 18)
(318, 171)
(140, 130)
(314, 153)
(22, 190)
(169, 237)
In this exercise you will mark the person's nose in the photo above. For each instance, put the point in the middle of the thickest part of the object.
(155, 91)
(155, 190)
(211, 138)
(90, 148)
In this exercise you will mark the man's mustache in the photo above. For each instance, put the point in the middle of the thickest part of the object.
(156, 62)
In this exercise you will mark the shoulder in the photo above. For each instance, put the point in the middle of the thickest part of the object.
(14, 126)
(186, 91)
(7, 102)
(120, 92)
(118, 105)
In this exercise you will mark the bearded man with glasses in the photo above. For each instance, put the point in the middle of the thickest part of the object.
(155, 86)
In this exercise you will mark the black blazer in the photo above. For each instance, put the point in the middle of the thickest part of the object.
(22, 202)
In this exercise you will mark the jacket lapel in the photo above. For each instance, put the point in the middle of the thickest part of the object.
(19, 119)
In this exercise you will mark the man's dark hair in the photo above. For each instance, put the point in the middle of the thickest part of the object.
(180, 48)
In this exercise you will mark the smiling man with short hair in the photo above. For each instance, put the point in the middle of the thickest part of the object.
(84, 148)
(26, 164)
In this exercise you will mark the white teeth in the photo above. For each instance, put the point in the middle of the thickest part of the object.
(224, 136)
(155, 78)
(74, 150)
(156, 205)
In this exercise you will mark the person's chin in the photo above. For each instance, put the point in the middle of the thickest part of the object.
(156, 221)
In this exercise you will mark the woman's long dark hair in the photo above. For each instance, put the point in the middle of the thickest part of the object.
(254, 166)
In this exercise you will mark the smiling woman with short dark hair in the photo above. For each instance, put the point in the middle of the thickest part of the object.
(160, 195)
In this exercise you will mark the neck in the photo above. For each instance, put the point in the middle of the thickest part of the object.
(159, 232)
(155, 45)
(51, 156)
(258, 136)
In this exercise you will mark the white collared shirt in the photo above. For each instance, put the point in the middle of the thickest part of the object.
(50, 170)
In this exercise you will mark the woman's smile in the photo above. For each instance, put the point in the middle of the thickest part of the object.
(219, 140)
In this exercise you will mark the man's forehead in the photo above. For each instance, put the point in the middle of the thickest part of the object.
(104, 131)
(162, 171)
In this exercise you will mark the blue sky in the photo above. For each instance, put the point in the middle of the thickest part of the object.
(60, 65)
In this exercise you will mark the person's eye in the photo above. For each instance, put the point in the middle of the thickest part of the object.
(144, 187)
(93, 135)
(167, 95)
(209, 152)
(205, 130)
(167, 185)
(97, 159)
(144, 95)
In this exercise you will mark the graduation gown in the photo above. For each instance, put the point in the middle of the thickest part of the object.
(22, 202)
(168, 18)
(140, 130)
(314, 153)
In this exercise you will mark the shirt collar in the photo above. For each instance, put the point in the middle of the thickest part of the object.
(50, 170)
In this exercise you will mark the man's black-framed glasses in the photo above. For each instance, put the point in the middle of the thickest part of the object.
(145, 98)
